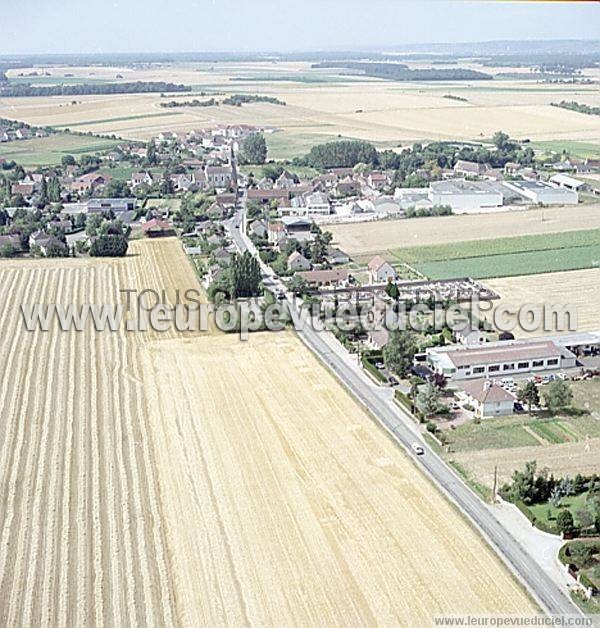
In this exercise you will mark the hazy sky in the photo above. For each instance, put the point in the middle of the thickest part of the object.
(40, 26)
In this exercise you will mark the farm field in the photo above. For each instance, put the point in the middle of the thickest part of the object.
(134, 494)
(48, 151)
(363, 240)
(343, 523)
(514, 264)
(320, 105)
(578, 287)
(563, 459)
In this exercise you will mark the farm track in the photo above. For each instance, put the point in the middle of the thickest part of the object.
(155, 479)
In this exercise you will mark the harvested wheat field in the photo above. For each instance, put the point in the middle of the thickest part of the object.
(197, 480)
(306, 513)
(566, 459)
(577, 287)
(366, 239)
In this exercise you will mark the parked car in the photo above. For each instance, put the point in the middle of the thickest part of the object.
(518, 408)
(393, 381)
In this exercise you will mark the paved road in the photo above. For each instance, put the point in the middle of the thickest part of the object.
(400, 425)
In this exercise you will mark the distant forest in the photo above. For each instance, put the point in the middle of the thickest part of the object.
(400, 72)
(138, 87)
(236, 100)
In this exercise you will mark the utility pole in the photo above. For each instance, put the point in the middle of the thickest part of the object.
(495, 483)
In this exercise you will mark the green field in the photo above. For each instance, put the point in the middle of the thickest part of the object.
(287, 145)
(521, 431)
(496, 246)
(581, 150)
(48, 151)
(514, 264)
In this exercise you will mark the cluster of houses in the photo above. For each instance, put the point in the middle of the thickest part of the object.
(343, 194)
(20, 133)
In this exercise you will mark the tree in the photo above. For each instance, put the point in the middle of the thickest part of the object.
(392, 290)
(399, 352)
(582, 554)
(529, 395)
(500, 140)
(109, 246)
(254, 149)
(565, 522)
(558, 395)
(298, 285)
(67, 160)
(585, 518)
(151, 154)
(116, 189)
(244, 276)
(428, 399)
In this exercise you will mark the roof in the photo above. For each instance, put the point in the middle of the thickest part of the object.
(376, 263)
(461, 186)
(506, 353)
(565, 179)
(324, 276)
(156, 225)
(296, 255)
(485, 391)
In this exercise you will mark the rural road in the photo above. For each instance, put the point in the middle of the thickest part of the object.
(552, 598)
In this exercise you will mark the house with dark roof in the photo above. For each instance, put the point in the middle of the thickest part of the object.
(487, 398)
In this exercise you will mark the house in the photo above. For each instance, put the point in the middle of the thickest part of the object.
(116, 205)
(222, 256)
(310, 204)
(336, 256)
(296, 261)
(468, 336)
(89, 182)
(275, 232)
(378, 338)
(140, 178)
(285, 180)
(43, 241)
(219, 176)
(487, 398)
(470, 168)
(264, 184)
(226, 200)
(325, 278)
(258, 228)
(499, 359)
(377, 180)
(265, 195)
(156, 228)
(24, 189)
(380, 271)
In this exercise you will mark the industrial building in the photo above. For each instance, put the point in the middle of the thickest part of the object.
(542, 193)
(466, 196)
(499, 359)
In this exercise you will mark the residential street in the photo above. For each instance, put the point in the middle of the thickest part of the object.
(535, 574)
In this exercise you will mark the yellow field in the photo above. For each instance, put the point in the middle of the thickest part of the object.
(196, 480)
(566, 459)
(577, 287)
(354, 107)
(370, 238)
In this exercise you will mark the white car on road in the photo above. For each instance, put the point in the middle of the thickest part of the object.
(418, 449)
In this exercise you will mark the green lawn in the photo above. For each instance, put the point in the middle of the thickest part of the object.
(303, 172)
(546, 513)
(586, 395)
(514, 264)
(48, 151)
(497, 246)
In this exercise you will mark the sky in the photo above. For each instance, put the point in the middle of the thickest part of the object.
(72, 26)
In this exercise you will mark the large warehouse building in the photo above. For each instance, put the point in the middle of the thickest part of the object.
(466, 196)
(499, 359)
(539, 192)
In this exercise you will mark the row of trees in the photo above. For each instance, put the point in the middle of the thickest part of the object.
(556, 396)
(401, 72)
(137, 87)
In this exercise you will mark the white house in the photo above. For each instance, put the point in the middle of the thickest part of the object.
(380, 271)
(297, 261)
(488, 399)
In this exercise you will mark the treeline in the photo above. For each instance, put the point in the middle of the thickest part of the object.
(400, 72)
(436, 155)
(453, 97)
(139, 87)
(237, 100)
(211, 102)
(577, 106)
